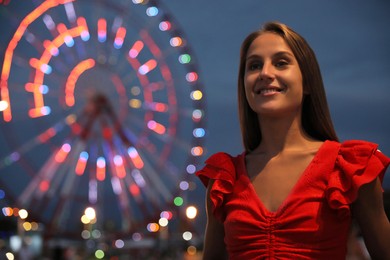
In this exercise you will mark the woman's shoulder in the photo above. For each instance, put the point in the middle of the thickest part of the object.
(358, 163)
(361, 152)
(221, 166)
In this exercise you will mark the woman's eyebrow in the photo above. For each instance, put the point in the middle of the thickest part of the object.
(283, 53)
(277, 54)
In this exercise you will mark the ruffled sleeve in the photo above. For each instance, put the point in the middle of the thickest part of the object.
(357, 163)
(219, 167)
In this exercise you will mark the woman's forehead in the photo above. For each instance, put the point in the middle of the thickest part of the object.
(268, 44)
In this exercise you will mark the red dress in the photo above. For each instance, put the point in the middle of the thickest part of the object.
(313, 221)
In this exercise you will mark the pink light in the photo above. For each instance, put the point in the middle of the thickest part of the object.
(191, 76)
(165, 26)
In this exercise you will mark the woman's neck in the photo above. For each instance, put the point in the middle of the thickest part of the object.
(281, 134)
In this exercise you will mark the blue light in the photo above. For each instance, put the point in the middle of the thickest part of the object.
(44, 89)
(199, 132)
(84, 36)
(69, 41)
(84, 155)
(152, 11)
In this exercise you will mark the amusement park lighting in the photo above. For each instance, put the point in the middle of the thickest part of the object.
(136, 236)
(187, 235)
(197, 115)
(191, 169)
(23, 214)
(191, 212)
(27, 226)
(119, 243)
(163, 222)
(166, 214)
(3, 105)
(152, 11)
(164, 26)
(178, 201)
(196, 95)
(184, 185)
(197, 151)
(191, 250)
(85, 234)
(90, 213)
(199, 132)
(158, 64)
(99, 254)
(153, 227)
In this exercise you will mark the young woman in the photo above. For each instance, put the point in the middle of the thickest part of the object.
(293, 192)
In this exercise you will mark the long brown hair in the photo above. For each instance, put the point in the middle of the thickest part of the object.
(316, 119)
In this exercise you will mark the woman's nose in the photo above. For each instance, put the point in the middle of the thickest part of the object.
(266, 72)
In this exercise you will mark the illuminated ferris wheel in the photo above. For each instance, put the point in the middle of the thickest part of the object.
(101, 106)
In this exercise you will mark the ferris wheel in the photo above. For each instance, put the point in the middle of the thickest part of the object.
(101, 106)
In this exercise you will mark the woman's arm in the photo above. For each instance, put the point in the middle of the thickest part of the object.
(214, 246)
(369, 212)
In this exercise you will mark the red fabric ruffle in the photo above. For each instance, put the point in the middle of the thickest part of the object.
(357, 163)
(220, 168)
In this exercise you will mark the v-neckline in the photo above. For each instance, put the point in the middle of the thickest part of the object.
(290, 193)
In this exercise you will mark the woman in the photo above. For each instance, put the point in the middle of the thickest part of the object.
(294, 190)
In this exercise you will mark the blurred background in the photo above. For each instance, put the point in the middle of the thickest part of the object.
(108, 108)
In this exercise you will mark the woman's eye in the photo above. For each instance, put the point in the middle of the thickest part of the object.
(281, 63)
(255, 66)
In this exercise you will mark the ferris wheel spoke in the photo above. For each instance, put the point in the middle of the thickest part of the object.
(29, 145)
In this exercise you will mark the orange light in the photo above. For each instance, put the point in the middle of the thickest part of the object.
(135, 158)
(160, 107)
(119, 167)
(82, 24)
(156, 127)
(120, 37)
(81, 163)
(50, 47)
(73, 77)
(136, 49)
(80, 167)
(62, 153)
(197, 151)
(100, 169)
(7, 113)
(102, 29)
(134, 190)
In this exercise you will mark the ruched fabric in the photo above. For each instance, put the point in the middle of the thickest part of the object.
(312, 223)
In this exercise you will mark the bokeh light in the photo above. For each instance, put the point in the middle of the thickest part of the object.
(191, 212)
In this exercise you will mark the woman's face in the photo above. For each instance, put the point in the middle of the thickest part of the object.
(273, 79)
